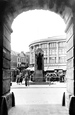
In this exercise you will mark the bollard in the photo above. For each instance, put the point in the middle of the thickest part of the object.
(63, 100)
(4, 109)
(72, 106)
(13, 100)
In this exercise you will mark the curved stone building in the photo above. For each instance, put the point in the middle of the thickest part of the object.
(54, 52)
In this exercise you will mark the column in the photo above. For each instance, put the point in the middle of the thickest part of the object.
(30, 56)
(57, 54)
(34, 55)
(47, 53)
(39, 46)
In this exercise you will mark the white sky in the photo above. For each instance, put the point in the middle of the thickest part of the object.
(33, 25)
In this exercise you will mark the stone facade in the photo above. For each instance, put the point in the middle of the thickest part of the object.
(54, 49)
(68, 17)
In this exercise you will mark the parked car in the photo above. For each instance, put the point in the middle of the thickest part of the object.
(52, 77)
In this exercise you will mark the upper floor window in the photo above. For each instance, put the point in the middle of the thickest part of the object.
(44, 45)
(52, 51)
(31, 48)
(62, 51)
(62, 44)
(62, 59)
(18, 65)
(52, 60)
(36, 46)
(45, 60)
(51, 45)
(45, 52)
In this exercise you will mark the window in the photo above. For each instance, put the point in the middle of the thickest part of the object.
(52, 51)
(51, 45)
(52, 60)
(45, 52)
(44, 45)
(45, 60)
(31, 48)
(40, 45)
(62, 51)
(62, 44)
(19, 59)
(36, 47)
(18, 65)
(62, 59)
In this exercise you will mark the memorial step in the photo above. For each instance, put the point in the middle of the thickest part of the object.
(39, 83)
(38, 79)
(38, 76)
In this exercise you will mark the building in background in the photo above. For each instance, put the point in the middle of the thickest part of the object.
(19, 60)
(54, 49)
(14, 70)
(28, 58)
(13, 59)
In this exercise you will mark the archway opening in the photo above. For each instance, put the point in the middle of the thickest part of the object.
(37, 25)
(40, 24)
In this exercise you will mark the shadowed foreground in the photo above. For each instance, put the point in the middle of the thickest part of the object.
(38, 110)
(38, 99)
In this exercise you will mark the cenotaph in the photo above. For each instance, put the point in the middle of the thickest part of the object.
(39, 65)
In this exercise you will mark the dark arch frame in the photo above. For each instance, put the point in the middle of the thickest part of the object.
(9, 9)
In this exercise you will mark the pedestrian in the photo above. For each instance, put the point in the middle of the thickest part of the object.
(21, 78)
(26, 78)
(49, 79)
(17, 78)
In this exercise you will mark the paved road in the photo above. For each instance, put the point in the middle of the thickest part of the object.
(39, 94)
(38, 100)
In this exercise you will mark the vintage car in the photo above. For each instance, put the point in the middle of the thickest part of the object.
(52, 77)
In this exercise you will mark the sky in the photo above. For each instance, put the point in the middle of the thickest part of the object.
(35, 25)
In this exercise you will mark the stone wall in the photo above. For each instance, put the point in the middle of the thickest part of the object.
(68, 17)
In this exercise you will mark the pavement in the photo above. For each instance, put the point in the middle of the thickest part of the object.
(53, 84)
(38, 110)
(38, 99)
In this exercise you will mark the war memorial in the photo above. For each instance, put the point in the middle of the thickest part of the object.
(39, 66)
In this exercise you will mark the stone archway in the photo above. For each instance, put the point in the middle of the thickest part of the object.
(9, 9)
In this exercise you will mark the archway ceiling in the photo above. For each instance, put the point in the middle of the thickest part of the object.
(54, 5)
(15, 7)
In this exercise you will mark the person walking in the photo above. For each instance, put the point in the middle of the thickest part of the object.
(26, 78)
(21, 78)
(49, 79)
(17, 78)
